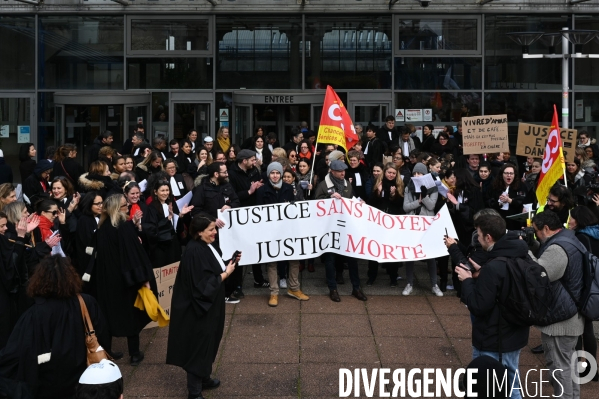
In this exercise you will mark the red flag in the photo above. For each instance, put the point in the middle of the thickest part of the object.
(552, 168)
(336, 126)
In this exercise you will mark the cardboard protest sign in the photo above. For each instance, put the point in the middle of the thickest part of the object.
(165, 279)
(306, 229)
(485, 134)
(532, 140)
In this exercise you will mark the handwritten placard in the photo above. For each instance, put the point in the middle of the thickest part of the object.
(165, 280)
(533, 138)
(485, 134)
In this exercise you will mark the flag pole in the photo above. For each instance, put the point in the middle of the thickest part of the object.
(313, 163)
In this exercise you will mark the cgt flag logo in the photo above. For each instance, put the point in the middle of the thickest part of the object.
(336, 126)
(553, 165)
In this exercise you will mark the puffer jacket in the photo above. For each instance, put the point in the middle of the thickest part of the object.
(241, 182)
(568, 289)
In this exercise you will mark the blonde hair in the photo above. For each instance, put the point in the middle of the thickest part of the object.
(111, 209)
(219, 134)
(14, 211)
(279, 153)
(97, 168)
(399, 186)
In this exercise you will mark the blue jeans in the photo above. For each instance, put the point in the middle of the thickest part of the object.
(510, 361)
(352, 265)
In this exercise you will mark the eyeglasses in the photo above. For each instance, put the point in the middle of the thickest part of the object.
(292, 156)
(551, 201)
(54, 213)
(304, 147)
(397, 158)
(442, 138)
(508, 173)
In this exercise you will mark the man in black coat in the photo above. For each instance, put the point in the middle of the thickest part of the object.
(373, 148)
(5, 170)
(388, 133)
(246, 179)
(296, 137)
(490, 332)
(104, 139)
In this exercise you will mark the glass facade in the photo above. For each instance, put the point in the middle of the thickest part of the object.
(253, 53)
(348, 53)
(17, 46)
(188, 70)
(81, 53)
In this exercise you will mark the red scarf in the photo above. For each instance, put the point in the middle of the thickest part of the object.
(134, 208)
(45, 227)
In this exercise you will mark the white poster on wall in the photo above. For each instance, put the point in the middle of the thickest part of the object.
(413, 115)
(307, 229)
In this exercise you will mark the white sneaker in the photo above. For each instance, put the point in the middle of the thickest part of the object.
(437, 291)
(408, 290)
(283, 283)
(449, 287)
(398, 278)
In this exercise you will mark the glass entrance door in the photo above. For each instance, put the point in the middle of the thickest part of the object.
(243, 127)
(188, 116)
(84, 123)
(14, 113)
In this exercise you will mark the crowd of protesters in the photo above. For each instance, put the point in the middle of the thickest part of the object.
(102, 228)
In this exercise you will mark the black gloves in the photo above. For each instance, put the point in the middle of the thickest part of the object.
(423, 191)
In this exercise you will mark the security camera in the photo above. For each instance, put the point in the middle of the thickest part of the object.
(424, 3)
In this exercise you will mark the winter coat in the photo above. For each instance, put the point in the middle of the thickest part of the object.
(208, 198)
(70, 169)
(267, 194)
(481, 294)
(411, 205)
(241, 182)
(102, 184)
(5, 172)
(322, 191)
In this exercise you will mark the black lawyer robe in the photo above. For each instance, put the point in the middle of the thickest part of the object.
(197, 311)
(121, 268)
(55, 327)
(11, 266)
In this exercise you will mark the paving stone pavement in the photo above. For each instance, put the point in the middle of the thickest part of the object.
(296, 349)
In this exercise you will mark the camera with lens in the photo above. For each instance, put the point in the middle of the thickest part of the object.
(527, 234)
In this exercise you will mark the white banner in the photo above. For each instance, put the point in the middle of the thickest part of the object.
(307, 229)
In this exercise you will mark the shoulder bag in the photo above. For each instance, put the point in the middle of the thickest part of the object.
(91, 341)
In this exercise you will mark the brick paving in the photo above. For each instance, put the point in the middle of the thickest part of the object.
(296, 349)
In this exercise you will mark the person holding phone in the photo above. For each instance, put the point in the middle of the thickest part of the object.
(198, 306)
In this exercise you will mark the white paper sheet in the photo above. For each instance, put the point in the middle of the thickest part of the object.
(185, 200)
(142, 185)
(443, 190)
(426, 181)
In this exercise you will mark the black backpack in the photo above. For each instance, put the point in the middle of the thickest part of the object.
(527, 296)
(588, 305)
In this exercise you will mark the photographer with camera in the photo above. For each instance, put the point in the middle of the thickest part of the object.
(492, 335)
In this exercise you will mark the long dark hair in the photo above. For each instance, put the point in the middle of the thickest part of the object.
(199, 224)
(499, 184)
(24, 151)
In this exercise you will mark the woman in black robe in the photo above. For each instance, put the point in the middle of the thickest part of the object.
(87, 224)
(122, 267)
(169, 225)
(198, 307)
(11, 267)
(46, 350)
